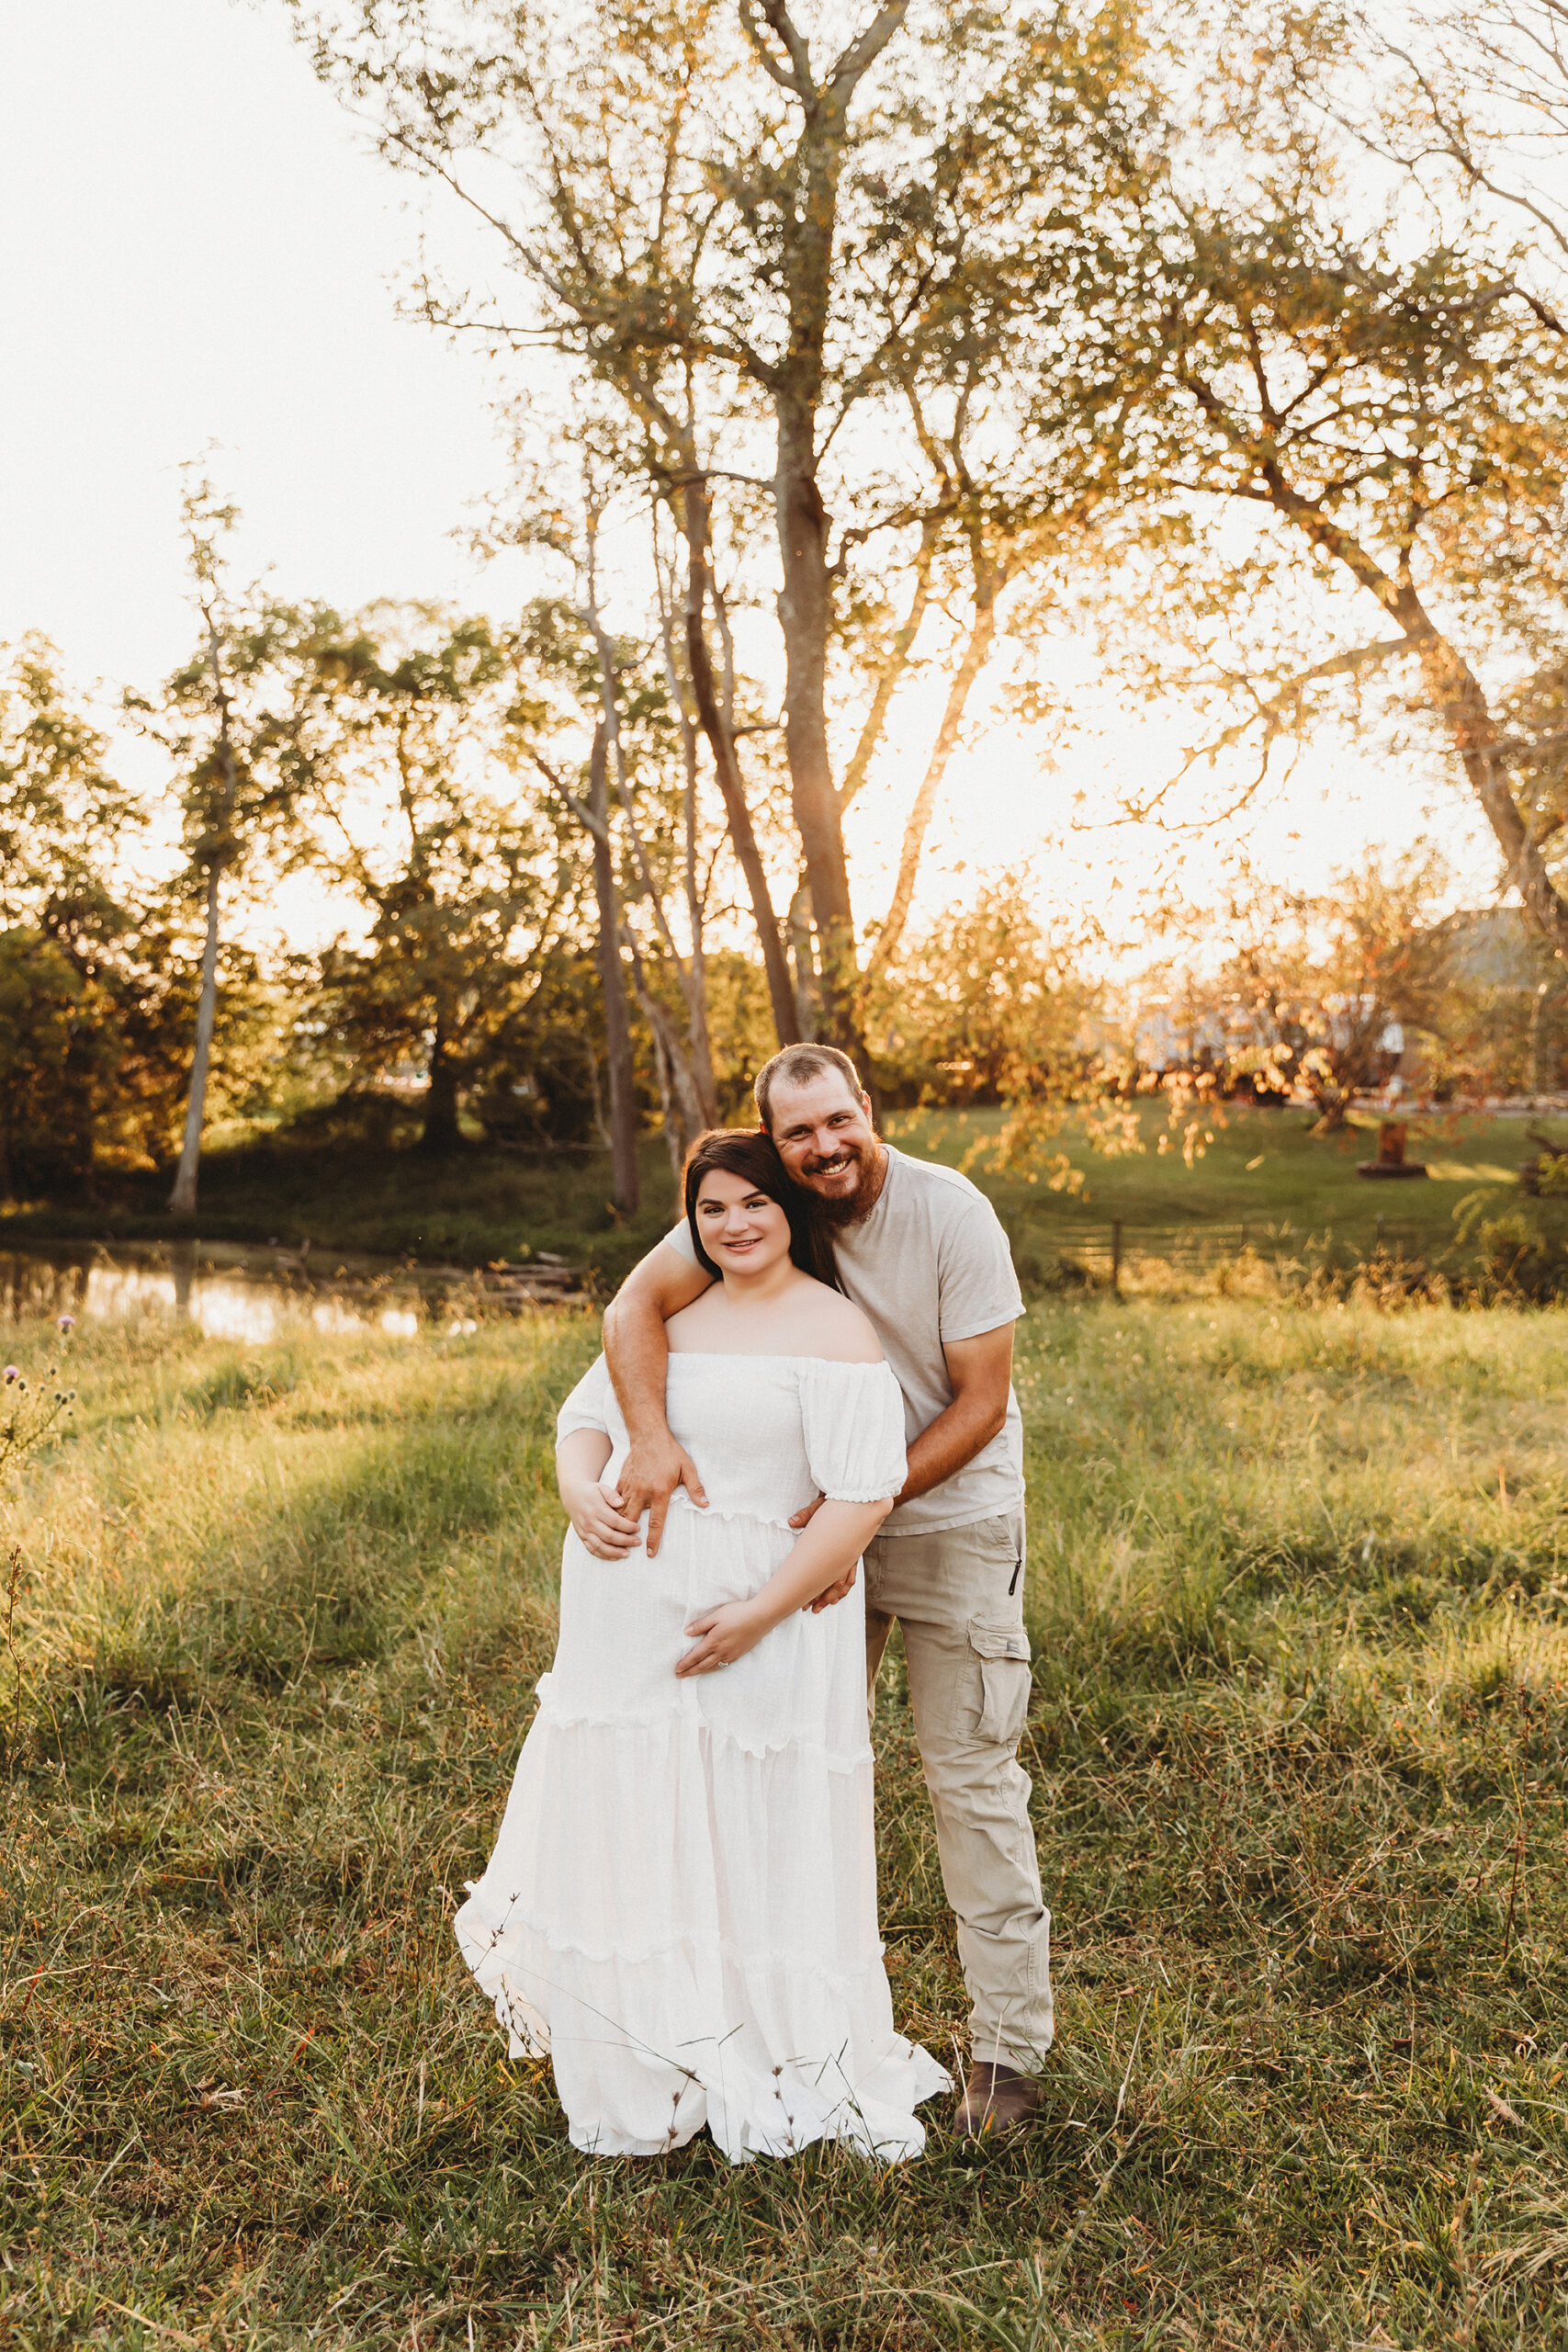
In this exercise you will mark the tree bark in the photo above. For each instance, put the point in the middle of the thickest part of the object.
(625, 1175)
(807, 996)
(441, 1133)
(696, 524)
(182, 1200)
(804, 615)
(808, 204)
(1476, 738)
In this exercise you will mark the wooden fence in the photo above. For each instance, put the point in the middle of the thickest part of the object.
(1103, 1253)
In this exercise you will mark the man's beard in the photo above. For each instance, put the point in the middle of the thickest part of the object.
(845, 1208)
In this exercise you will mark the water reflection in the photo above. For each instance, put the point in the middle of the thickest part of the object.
(230, 1292)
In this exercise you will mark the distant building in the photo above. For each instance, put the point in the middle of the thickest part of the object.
(1495, 947)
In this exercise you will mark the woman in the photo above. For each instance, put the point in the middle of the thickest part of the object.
(681, 1904)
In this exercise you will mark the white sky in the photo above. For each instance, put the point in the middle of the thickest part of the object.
(197, 246)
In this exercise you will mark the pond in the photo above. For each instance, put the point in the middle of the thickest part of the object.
(234, 1290)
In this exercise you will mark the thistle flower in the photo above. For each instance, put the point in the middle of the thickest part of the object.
(66, 1322)
(10, 1373)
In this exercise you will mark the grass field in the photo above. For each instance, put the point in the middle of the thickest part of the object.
(1298, 1588)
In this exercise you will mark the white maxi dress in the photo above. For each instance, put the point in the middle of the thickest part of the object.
(680, 1909)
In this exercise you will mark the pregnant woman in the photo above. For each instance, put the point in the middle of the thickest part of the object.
(681, 1904)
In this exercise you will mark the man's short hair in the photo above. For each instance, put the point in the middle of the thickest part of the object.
(795, 1065)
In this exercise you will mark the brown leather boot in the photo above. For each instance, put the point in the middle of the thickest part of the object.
(995, 2098)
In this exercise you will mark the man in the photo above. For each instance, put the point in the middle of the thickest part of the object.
(921, 1250)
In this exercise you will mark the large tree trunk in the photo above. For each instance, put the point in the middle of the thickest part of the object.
(694, 968)
(804, 615)
(613, 982)
(1476, 736)
(802, 953)
(441, 1133)
(182, 1200)
(810, 208)
(696, 510)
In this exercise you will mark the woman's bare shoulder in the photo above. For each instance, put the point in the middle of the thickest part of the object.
(841, 1332)
(685, 1329)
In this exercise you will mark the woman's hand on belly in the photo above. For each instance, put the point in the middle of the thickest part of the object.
(725, 1633)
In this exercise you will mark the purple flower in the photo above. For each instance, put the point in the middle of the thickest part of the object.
(10, 1373)
(67, 1322)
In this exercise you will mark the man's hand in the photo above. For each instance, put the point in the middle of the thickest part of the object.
(652, 1471)
(845, 1584)
(638, 1356)
(835, 1592)
(597, 1514)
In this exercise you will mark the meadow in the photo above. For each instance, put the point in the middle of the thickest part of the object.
(1298, 1590)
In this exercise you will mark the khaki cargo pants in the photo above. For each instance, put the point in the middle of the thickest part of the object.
(958, 1594)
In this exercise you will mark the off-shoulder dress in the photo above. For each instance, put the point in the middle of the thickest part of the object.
(680, 1909)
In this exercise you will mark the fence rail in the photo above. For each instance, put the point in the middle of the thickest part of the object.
(1104, 1252)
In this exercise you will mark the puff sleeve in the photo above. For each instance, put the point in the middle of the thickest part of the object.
(588, 1406)
(854, 1420)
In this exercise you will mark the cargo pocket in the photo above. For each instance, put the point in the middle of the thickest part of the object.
(1003, 1653)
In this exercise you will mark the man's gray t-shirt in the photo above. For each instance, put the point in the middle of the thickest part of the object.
(931, 1263)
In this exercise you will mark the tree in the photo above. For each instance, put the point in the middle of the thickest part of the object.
(695, 199)
(625, 1177)
(40, 1009)
(647, 834)
(230, 721)
(407, 784)
(1472, 100)
(1384, 399)
(1321, 981)
(67, 936)
(988, 1008)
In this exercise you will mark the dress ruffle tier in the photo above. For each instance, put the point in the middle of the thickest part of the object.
(680, 1909)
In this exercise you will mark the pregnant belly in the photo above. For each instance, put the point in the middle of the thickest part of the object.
(622, 1628)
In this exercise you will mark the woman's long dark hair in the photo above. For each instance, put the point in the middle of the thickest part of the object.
(750, 1153)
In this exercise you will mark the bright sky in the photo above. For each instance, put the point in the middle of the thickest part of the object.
(200, 248)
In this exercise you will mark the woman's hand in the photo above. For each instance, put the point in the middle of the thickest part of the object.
(727, 1632)
(600, 1520)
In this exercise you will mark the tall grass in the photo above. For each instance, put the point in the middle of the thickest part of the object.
(1298, 1595)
